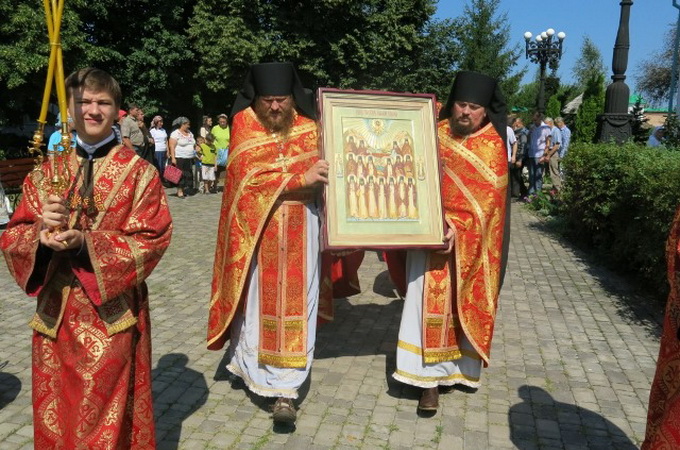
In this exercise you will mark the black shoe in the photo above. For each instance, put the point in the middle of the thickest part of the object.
(284, 410)
(429, 399)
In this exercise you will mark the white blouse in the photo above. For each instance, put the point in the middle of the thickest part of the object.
(185, 144)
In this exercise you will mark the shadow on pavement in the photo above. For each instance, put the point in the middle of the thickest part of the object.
(540, 419)
(10, 386)
(383, 285)
(631, 302)
(367, 329)
(178, 391)
(364, 329)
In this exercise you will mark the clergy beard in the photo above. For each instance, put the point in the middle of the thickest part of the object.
(461, 129)
(277, 122)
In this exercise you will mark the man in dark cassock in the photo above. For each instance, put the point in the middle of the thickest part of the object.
(451, 295)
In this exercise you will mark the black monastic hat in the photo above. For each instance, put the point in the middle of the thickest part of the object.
(276, 78)
(482, 90)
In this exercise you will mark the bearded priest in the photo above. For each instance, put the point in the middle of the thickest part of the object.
(451, 295)
(268, 284)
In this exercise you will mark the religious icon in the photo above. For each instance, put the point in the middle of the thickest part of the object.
(383, 187)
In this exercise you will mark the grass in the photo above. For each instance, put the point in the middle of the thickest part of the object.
(438, 434)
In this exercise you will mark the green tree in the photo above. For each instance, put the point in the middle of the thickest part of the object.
(672, 134)
(553, 108)
(155, 69)
(654, 74)
(525, 97)
(484, 37)
(589, 63)
(367, 44)
(592, 106)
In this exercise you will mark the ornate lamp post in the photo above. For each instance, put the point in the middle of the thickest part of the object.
(543, 51)
(615, 122)
(674, 67)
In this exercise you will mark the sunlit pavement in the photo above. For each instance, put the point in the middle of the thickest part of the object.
(571, 363)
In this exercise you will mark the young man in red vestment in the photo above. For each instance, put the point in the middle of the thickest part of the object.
(663, 419)
(451, 295)
(268, 283)
(85, 256)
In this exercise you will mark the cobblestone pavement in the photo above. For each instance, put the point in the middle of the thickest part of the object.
(571, 364)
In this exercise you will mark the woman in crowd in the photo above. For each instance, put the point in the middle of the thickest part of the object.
(160, 139)
(206, 127)
(148, 145)
(182, 147)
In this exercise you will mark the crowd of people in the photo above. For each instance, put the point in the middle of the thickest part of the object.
(86, 253)
(538, 150)
(200, 159)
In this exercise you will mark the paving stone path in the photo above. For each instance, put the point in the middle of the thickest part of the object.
(572, 359)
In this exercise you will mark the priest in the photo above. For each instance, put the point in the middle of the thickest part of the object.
(268, 285)
(451, 295)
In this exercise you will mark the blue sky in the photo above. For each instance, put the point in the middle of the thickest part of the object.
(597, 19)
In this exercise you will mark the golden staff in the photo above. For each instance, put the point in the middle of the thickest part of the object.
(59, 160)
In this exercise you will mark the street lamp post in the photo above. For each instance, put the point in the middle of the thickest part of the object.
(543, 51)
(615, 123)
(674, 67)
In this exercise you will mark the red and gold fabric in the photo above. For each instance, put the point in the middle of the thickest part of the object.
(263, 213)
(474, 193)
(91, 345)
(461, 290)
(663, 418)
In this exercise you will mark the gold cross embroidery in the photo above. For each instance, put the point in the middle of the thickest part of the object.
(283, 162)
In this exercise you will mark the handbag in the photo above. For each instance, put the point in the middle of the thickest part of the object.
(221, 159)
(172, 174)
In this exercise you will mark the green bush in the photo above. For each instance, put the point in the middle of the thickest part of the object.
(545, 203)
(620, 200)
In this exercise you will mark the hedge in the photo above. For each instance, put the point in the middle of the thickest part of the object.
(620, 201)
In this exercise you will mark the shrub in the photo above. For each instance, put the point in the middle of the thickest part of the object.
(545, 203)
(620, 201)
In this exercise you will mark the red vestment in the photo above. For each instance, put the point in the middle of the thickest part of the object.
(663, 419)
(461, 289)
(263, 213)
(92, 343)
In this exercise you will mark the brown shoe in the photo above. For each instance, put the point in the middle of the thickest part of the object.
(429, 399)
(284, 410)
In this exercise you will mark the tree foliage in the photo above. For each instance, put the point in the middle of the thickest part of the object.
(484, 35)
(554, 107)
(592, 106)
(654, 74)
(589, 63)
(189, 57)
(141, 42)
(369, 44)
